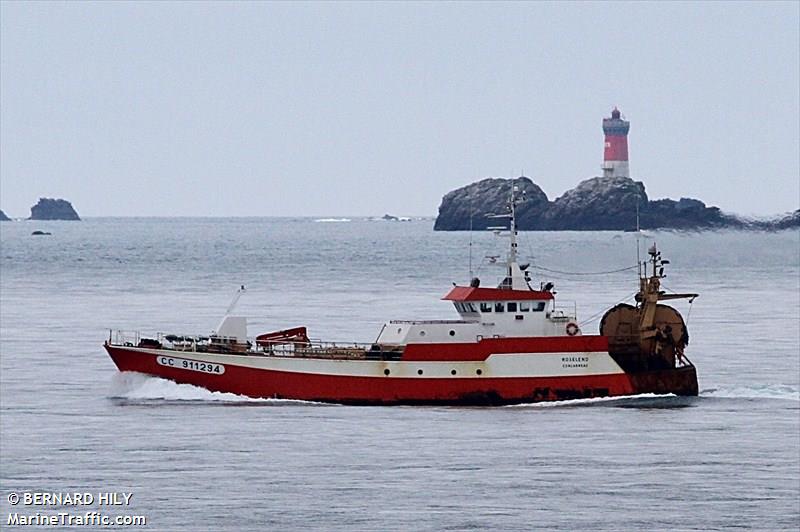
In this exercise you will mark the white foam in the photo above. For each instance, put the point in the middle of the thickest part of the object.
(137, 386)
(332, 220)
(755, 391)
(591, 400)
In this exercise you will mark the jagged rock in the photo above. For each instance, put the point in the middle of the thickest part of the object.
(786, 221)
(789, 221)
(686, 213)
(53, 209)
(469, 205)
(599, 203)
(3, 217)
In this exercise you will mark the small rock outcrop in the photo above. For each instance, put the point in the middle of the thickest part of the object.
(53, 209)
(3, 217)
(596, 204)
(392, 218)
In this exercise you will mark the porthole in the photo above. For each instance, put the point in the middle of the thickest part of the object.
(452, 333)
(386, 371)
(399, 330)
(452, 372)
(419, 372)
(422, 333)
(479, 371)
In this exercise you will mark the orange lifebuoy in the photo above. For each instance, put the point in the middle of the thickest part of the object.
(572, 328)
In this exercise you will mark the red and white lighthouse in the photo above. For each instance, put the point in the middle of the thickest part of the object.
(615, 155)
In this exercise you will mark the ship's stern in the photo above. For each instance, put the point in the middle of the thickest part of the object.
(679, 381)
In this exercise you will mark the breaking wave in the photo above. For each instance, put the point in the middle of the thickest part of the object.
(332, 220)
(755, 391)
(137, 387)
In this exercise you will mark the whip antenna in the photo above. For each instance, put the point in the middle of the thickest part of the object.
(235, 299)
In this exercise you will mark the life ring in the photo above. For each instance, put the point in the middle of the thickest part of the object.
(572, 328)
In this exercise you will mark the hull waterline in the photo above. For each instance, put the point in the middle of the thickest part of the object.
(390, 390)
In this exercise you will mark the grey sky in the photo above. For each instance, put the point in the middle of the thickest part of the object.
(258, 109)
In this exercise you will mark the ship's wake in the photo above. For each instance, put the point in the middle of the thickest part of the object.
(644, 400)
(136, 388)
(785, 392)
(756, 392)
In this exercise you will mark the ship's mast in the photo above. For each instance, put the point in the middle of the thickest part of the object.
(515, 278)
(638, 237)
(471, 273)
(650, 292)
(515, 275)
(512, 253)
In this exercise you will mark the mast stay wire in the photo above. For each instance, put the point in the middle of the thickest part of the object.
(537, 267)
(691, 303)
(583, 273)
(484, 261)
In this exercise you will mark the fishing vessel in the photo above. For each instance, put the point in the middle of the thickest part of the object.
(511, 344)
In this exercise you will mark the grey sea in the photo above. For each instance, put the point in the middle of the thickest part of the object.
(195, 460)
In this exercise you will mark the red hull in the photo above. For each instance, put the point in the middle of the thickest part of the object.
(264, 383)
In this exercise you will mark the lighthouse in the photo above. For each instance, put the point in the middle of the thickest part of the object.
(615, 155)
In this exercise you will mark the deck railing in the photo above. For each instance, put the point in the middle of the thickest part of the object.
(429, 322)
(228, 344)
(563, 311)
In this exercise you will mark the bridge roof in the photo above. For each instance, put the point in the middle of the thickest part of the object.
(468, 293)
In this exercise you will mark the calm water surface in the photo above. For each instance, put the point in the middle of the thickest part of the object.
(195, 460)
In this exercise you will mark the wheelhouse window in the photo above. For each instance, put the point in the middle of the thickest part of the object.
(466, 308)
(539, 306)
(499, 307)
(486, 307)
(512, 306)
(524, 306)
